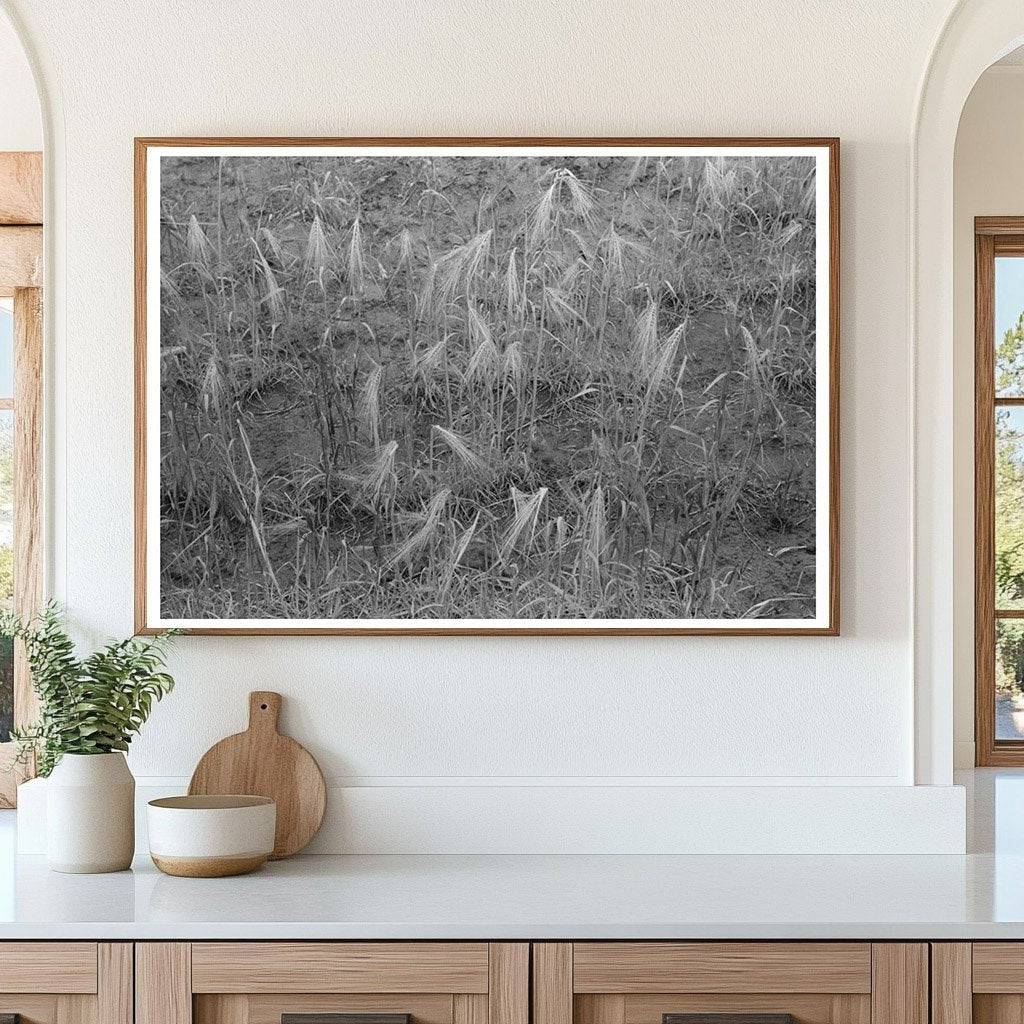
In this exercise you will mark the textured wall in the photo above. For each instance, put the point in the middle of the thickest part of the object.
(810, 711)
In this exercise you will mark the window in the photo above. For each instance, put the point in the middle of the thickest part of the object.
(999, 490)
(21, 255)
(20, 492)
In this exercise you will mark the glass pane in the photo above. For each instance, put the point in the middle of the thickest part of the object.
(1009, 326)
(1009, 539)
(6, 567)
(1009, 679)
(6, 348)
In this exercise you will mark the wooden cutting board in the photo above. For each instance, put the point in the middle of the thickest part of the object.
(262, 762)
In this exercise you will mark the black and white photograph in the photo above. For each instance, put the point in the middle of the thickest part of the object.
(518, 388)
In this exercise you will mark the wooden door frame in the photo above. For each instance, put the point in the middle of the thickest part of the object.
(21, 273)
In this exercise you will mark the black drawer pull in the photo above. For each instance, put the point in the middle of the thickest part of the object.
(728, 1018)
(340, 1018)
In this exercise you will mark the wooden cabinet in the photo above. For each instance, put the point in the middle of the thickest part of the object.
(66, 982)
(493, 983)
(979, 982)
(261, 982)
(648, 982)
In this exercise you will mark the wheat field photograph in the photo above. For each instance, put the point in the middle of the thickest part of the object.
(418, 387)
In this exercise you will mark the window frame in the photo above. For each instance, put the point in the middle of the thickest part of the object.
(993, 237)
(21, 263)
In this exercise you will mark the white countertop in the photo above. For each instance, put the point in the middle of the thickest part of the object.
(532, 897)
(978, 896)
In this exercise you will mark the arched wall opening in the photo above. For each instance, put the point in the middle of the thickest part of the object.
(976, 34)
(986, 183)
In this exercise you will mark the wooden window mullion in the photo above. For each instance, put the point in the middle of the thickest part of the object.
(28, 556)
(984, 500)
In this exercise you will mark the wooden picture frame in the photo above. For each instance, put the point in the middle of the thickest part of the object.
(825, 620)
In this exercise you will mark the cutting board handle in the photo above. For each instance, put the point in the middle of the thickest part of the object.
(264, 710)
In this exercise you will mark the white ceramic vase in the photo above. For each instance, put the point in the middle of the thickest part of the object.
(90, 814)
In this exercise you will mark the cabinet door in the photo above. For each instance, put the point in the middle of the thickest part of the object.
(66, 982)
(332, 983)
(980, 982)
(736, 982)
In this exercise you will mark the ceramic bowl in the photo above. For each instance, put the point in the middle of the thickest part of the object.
(211, 836)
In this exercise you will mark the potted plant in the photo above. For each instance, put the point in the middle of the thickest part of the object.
(89, 709)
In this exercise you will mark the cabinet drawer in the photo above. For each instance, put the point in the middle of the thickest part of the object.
(66, 982)
(48, 967)
(271, 1009)
(263, 982)
(736, 982)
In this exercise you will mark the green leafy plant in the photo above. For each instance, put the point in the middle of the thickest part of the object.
(90, 705)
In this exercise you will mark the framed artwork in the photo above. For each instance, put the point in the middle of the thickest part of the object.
(489, 386)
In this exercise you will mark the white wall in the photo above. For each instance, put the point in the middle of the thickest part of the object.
(21, 125)
(443, 713)
(988, 181)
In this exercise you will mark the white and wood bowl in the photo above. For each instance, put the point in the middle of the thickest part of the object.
(211, 836)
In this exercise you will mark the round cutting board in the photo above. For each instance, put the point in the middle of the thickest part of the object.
(262, 762)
